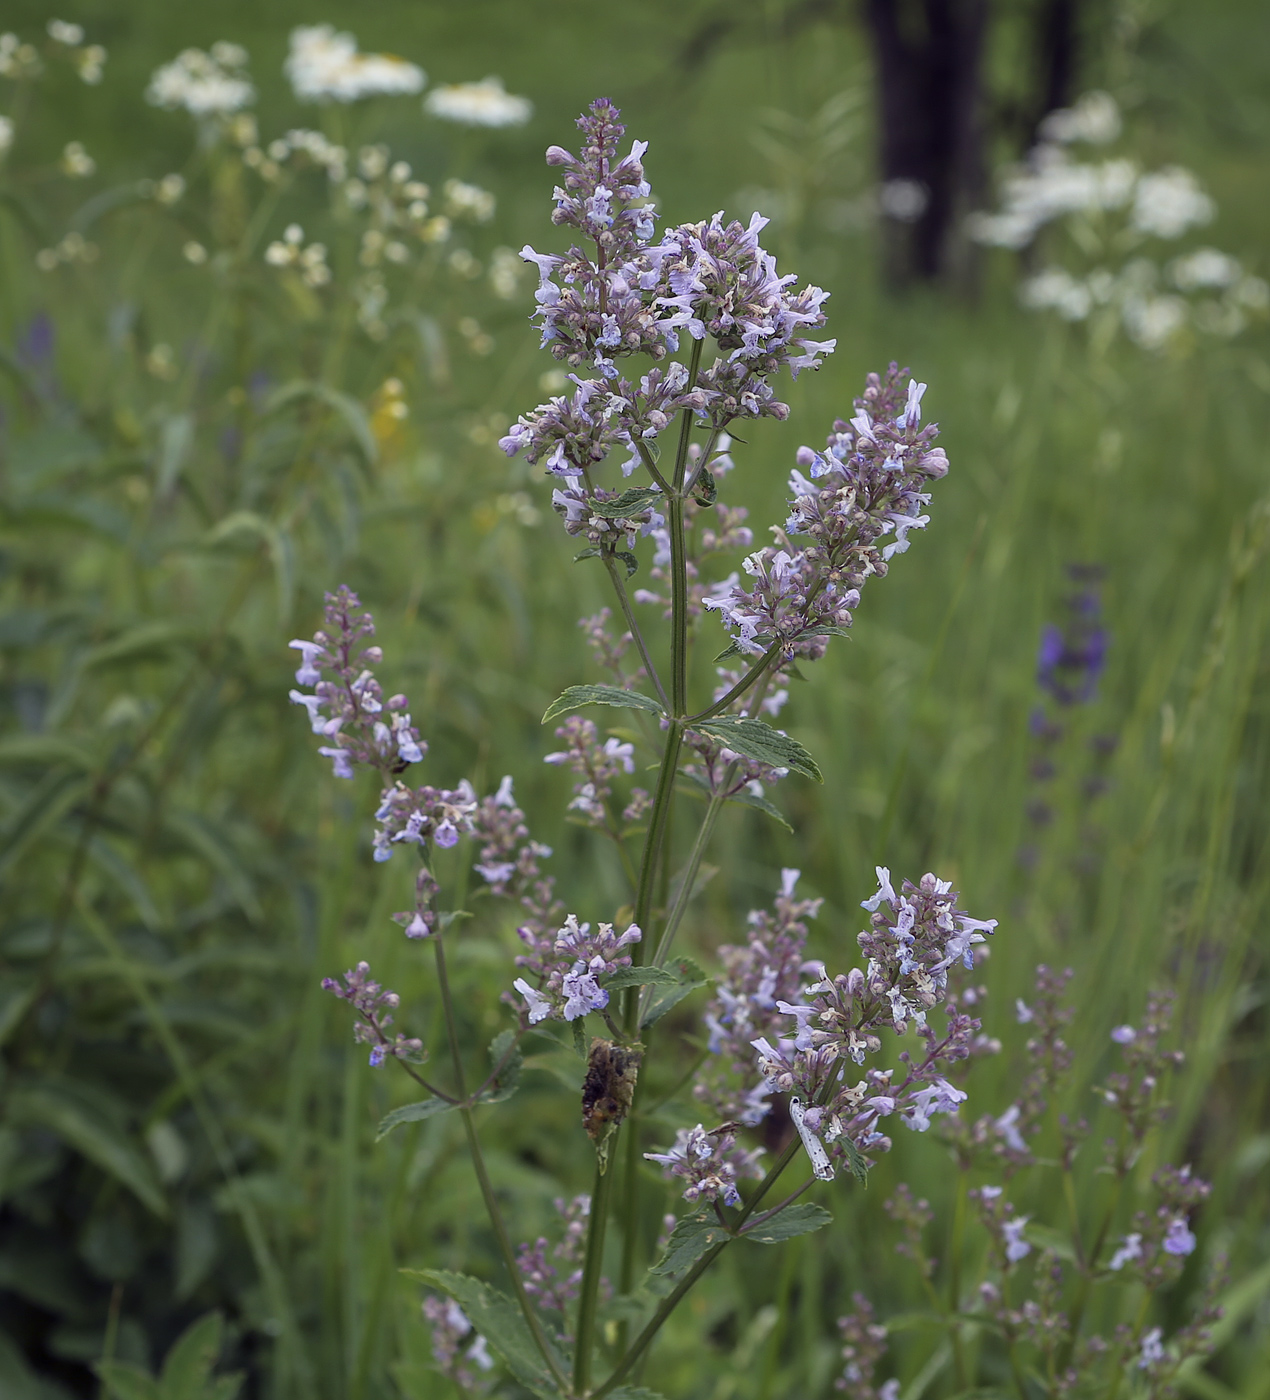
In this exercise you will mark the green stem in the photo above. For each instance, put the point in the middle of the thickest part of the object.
(679, 556)
(653, 840)
(681, 1289)
(591, 1269)
(684, 893)
(619, 587)
(747, 680)
(482, 1175)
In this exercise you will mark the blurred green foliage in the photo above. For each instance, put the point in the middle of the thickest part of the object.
(193, 453)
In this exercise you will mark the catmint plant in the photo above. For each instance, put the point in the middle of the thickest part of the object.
(673, 338)
(1063, 1302)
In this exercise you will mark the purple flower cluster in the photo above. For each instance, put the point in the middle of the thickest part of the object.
(554, 1287)
(417, 816)
(374, 1006)
(450, 1328)
(863, 1344)
(756, 976)
(866, 485)
(1072, 658)
(915, 937)
(596, 763)
(710, 1162)
(1155, 1250)
(569, 983)
(628, 295)
(350, 710)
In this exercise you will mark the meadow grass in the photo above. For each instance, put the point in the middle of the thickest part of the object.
(1155, 468)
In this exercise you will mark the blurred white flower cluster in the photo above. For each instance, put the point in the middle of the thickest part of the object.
(211, 84)
(485, 103)
(1109, 210)
(325, 66)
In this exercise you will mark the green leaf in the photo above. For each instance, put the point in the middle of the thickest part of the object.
(204, 837)
(189, 1363)
(411, 1113)
(176, 438)
(749, 799)
(688, 978)
(633, 502)
(689, 1240)
(44, 806)
(500, 1321)
(730, 650)
(627, 558)
(754, 739)
(640, 977)
(347, 409)
(579, 695)
(1045, 1237)
(278, 544)
(67, 1109)
(152, 641)
(508, 1079)
(125, 1381)
(589, 553)
(792, 1221)
(16, 996)
(579, 1039)
(858, 1163)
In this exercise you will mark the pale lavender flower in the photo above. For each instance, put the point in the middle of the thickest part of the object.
(1129, 1252)
(866, 485)
(1124, 1035)
(1016, 1247)
(450, 1326)
(350, 711)
(570, 977)
(374, 1006)
(1152, 1350)
(710, 1162)
(1178, 1238)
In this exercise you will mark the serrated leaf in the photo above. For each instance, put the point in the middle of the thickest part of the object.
(750, 799)
(639, 977)
(689, 1240)
(792, 1221)
(124, 1381)
(508, 1079)
(579, 695)
(632, 564)
(632, 502)
(189, 1363)
(499, 1321)
(688, 978)
(705, 490)
(411, 1113)
(858, 1163)
(754, 739)
(67, 1109)
(1045, 1237)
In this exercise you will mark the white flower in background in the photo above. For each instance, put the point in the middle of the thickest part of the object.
(290, 252)
(1205, 267)
(903, 200)
(505, 268)
(464, 201)
(72, 35)
(17, 60)
(1153, 321)
(194, 253)
(485, 103)
(1094, 118)
(205, 84)
(1169, 202)
(6, 135)
(76, 162)
(169, 189)
(1057, 290)
(325, 66)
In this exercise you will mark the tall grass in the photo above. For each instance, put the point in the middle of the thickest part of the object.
(1154, 468)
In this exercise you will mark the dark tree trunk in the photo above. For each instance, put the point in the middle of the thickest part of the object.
(1057, 48)
(929, 74)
